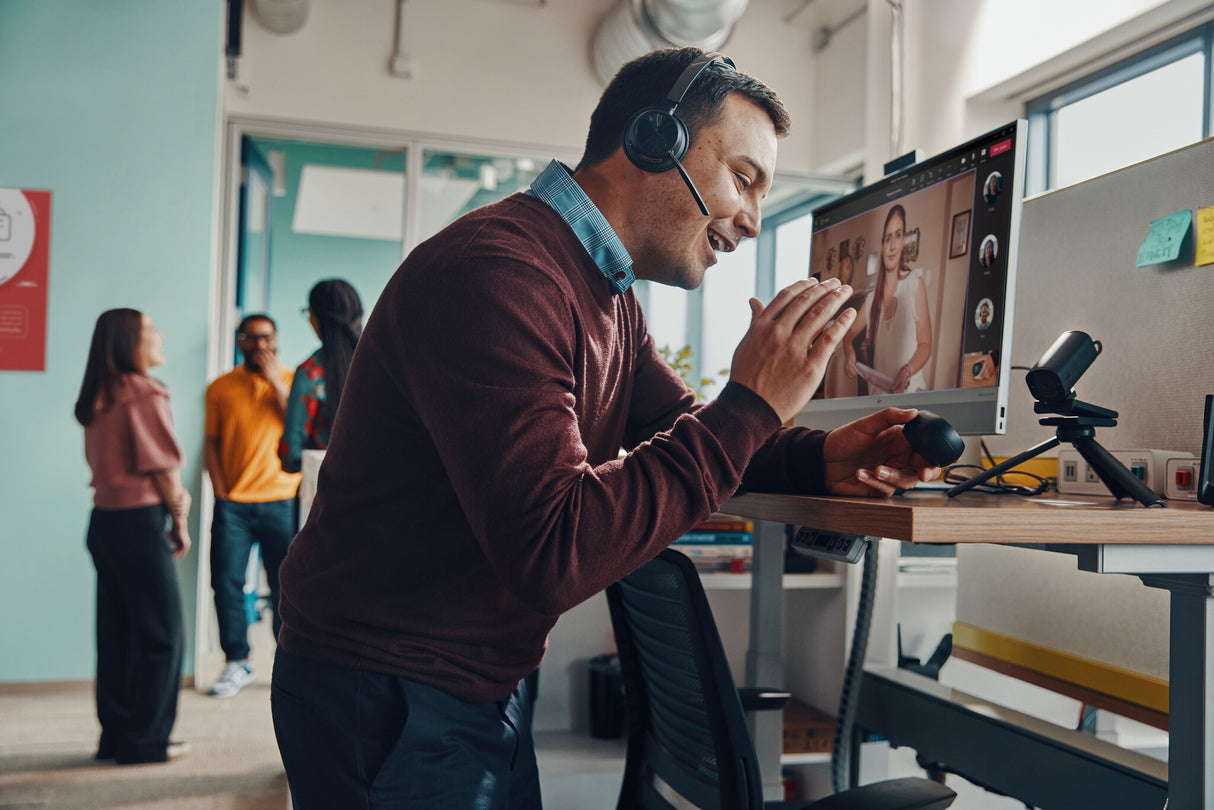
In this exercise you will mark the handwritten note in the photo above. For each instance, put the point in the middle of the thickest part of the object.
(1165, 238)
(1205, 236)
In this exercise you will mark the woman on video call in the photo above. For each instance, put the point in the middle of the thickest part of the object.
(894, 322)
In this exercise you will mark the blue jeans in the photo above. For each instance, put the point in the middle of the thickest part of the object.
(235, 528)
(352, 738)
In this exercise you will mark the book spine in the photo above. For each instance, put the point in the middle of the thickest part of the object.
(717, 554)
(724, 526)
(715, 538)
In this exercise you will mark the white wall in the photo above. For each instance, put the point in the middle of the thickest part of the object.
(484, 70)
(840, 76)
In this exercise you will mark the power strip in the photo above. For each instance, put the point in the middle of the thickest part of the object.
(1075, 475)
(848, 548)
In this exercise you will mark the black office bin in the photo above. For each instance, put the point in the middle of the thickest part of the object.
(606, 697)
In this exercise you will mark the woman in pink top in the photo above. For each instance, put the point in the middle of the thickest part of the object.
(137, 529)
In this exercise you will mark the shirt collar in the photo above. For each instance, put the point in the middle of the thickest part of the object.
(556, 187)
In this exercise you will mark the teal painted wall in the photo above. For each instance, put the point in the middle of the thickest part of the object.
(299, 260)
(113, 107)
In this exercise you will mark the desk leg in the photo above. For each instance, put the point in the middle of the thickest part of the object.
(1191, 675)
(764, 654)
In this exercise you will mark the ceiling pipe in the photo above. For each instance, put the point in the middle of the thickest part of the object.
(897, 112)
(632, 28)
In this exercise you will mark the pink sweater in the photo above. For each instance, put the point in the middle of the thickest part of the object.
(472, 491)
(128, 442)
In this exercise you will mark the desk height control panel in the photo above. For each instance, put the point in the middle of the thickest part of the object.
(848, 548)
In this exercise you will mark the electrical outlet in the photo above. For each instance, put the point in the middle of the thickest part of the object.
(1069, 471)
(1077, 477)
(1180, 481)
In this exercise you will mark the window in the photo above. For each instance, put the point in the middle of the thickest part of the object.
(712, 319)
(1141, 107)
(455, 182)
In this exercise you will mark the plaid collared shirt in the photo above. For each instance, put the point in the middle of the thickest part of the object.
(555, 186)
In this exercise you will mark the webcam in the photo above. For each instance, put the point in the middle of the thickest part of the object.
(1051, 381)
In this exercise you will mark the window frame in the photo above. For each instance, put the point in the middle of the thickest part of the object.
(1041, 172)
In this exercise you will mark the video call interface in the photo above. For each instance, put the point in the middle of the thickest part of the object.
(926, 252)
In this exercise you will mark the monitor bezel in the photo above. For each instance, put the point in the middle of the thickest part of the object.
(972, 411)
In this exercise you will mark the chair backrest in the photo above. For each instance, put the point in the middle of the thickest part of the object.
(688, 744)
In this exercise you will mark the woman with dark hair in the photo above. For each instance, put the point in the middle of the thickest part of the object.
(335, 312)
(137, 494)
(894, 321)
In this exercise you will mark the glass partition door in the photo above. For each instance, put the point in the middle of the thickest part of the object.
(453, 183)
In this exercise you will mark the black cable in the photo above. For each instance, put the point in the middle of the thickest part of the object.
(986, 451)
(959, 473)
(840, 757)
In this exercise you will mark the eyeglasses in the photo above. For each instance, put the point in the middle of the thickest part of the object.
(256, 336)
(306, 312)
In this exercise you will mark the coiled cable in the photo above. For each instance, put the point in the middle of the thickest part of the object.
(840, 757)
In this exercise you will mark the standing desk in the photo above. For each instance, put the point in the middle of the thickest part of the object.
(1170, 548)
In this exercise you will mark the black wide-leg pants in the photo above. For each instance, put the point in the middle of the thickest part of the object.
(140, 632)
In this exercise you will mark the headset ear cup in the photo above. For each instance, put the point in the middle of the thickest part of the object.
(651, 135)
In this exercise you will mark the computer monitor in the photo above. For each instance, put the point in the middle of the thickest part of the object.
(931, 254)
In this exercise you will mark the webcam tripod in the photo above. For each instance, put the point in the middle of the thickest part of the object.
(1077, 426)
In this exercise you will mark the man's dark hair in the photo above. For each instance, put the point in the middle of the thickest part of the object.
(646, 81)
(256, 316)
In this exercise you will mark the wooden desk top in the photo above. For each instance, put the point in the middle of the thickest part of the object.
(977, 517)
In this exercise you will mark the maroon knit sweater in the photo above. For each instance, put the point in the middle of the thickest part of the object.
(472, 492)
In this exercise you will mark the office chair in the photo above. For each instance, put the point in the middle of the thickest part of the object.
(688, 745)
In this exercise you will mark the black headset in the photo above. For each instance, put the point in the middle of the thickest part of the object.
(655, 138)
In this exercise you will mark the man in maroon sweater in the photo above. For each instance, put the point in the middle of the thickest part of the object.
(473, 489)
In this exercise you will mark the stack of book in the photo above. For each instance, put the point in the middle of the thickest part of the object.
(721, 543)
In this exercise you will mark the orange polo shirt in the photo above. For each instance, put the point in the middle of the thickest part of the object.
(242, 414)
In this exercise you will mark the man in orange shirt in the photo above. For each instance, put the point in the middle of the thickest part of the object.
(254, 498)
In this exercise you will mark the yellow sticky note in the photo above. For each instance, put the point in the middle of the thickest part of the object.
(1205, 236)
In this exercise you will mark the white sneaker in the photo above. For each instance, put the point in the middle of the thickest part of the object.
(236, 676)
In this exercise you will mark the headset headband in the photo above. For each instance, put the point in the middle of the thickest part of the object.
(691, 73)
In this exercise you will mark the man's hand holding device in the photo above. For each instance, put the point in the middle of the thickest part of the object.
(874, 456)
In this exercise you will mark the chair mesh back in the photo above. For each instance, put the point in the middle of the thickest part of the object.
(678, 720)
(680, 693)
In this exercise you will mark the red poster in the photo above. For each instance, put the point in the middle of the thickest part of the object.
(25, 239)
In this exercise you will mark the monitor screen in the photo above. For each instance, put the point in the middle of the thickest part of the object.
(931, 254)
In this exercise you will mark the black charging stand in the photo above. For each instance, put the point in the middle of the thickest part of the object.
(1077, 425)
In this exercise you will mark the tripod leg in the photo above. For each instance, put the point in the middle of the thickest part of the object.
(1120, 481)
(999, 469)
